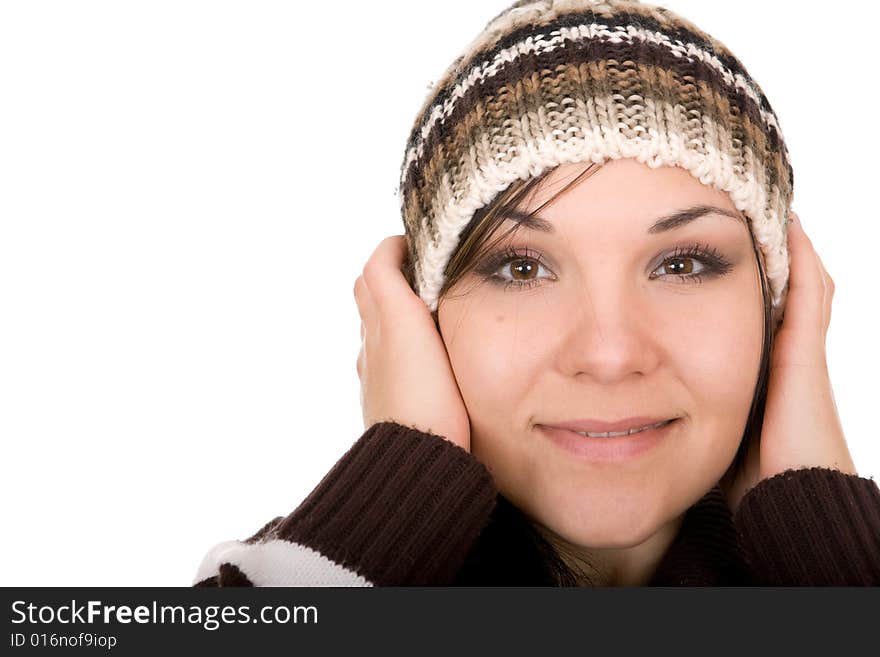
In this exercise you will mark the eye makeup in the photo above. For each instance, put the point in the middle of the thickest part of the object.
(712, 265)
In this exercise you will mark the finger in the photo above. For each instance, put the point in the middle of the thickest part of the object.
(826, 277)
(383, 274)
(806, 285)
(364, 301)
(828, 298)
(827, 288)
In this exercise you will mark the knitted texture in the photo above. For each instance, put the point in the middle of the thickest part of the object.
(563, 81)
(403, 507)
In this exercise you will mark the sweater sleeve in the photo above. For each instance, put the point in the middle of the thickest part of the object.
(400, 508)
(812, 527)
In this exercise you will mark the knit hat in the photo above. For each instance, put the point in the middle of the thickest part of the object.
(549, 82)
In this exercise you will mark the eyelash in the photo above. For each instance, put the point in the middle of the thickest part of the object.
(715, 264)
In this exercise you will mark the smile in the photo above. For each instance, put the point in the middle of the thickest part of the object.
(611, 434)
(613, 446)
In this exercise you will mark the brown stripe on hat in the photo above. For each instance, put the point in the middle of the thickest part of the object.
(488, 120)
(509, 27)
(638, 22)
(556, 81)
(601, 52)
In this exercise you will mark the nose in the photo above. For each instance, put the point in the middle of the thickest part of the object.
(610, 334)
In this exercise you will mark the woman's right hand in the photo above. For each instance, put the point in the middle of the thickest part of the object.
(403, 366)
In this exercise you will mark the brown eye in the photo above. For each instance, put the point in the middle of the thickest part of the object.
(680, 265)
(522, 269)
(509, 267)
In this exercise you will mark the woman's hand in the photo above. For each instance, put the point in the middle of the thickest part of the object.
(403, 365)
(801, 427)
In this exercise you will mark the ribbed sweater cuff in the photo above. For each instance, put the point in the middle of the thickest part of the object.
(812, 527)
(400, 508)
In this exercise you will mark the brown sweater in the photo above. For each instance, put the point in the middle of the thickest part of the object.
(407, 508)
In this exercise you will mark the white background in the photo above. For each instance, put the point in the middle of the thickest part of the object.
(188, 191)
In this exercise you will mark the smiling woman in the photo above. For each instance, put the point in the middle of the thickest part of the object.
(628, 290)
(596, 355)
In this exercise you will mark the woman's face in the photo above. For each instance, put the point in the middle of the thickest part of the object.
(608, 326)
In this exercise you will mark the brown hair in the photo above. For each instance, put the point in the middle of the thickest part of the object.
(475, 241)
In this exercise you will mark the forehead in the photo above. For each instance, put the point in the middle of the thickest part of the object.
(622, 193)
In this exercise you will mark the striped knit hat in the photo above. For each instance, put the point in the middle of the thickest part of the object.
(554, 81)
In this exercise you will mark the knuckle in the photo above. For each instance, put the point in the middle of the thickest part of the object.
(369, 272)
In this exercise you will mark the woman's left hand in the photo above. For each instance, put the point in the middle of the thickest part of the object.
(801, 426)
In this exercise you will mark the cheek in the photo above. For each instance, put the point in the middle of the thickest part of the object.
(493, 362)
(718, 351)
(497, 359)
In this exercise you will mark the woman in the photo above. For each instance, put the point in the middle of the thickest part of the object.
(597, 354)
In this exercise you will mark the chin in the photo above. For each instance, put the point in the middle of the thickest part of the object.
(608, 532)
(612, 523)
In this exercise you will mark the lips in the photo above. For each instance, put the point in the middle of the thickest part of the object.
(615, 434)
(613, 449)
(601, 426)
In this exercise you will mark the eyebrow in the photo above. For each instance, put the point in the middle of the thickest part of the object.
(668, 222)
